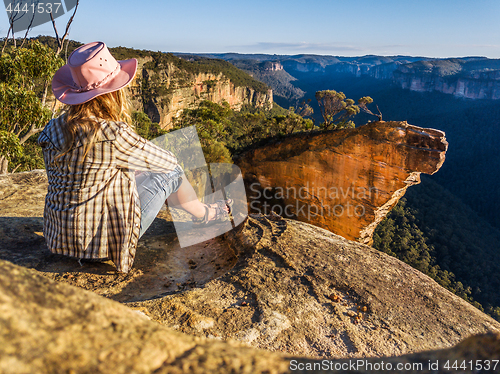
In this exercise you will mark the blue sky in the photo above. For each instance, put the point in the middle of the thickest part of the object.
(432, 28)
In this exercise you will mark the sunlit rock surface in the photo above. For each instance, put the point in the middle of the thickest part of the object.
(345, 181)
(272, 283)
(178, 90)
(50, 327)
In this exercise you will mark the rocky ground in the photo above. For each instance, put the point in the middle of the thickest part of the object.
(302, 290)
(52, 327)
(274, 284)
(161, 267)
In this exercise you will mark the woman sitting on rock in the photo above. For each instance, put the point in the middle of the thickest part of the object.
(94, 208)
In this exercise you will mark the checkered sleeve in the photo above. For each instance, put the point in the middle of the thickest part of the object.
(136, 153)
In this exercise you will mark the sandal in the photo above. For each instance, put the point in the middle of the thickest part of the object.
(222, 204)
(221, 214)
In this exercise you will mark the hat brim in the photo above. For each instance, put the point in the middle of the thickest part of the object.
(64, 89)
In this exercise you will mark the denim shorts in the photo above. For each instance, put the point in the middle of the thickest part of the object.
(154, 189)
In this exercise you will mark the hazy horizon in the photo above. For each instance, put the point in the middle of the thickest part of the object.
(327, 55)
(428, 28)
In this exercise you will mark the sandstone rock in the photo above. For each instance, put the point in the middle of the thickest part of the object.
(179, 90)
(281, 296)
(23, 194)
(476, 354)
(274, 283)
(49, 327)
(344, 181)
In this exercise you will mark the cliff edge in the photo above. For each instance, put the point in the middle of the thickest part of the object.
(165, 85)
(345, 181)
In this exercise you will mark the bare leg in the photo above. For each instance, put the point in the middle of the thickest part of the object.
(186, 198)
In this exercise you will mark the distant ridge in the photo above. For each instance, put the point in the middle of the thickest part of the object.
(471, 77)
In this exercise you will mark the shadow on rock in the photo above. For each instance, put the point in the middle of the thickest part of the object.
(300, 289)
(161, 267)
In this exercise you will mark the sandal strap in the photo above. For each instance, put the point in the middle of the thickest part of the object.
(222, 204)
(221, 214)
(207, 212)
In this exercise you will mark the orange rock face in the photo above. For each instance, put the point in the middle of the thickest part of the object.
(345, 181)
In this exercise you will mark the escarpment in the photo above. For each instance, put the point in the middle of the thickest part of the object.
(345, 181)
(470, 85)
(468, 77)
(164, 88)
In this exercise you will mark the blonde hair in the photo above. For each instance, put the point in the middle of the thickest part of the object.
(86, 117)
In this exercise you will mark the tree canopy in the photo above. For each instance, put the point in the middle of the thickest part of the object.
(336, 109)
(224, 132)
(24, 79)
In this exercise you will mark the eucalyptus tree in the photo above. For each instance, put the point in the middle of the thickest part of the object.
(26, 69)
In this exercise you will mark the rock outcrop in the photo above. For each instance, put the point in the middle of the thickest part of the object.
(344, 181)
(473, 355)
(295, 289)
(49, 327)
(271, 66)
(273, 283)
(302, 290)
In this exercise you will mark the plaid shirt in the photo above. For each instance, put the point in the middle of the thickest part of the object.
(92, 207)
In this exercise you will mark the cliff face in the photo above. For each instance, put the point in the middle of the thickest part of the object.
(271, 66)
(384, 71)
(303, 67)
(352, 68)
(467, 78)
(474, 85)
(448, 76)
(344, 181)
(164, 93)
(374, 66)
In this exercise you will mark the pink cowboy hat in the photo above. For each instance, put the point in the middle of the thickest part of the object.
(91, 71)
